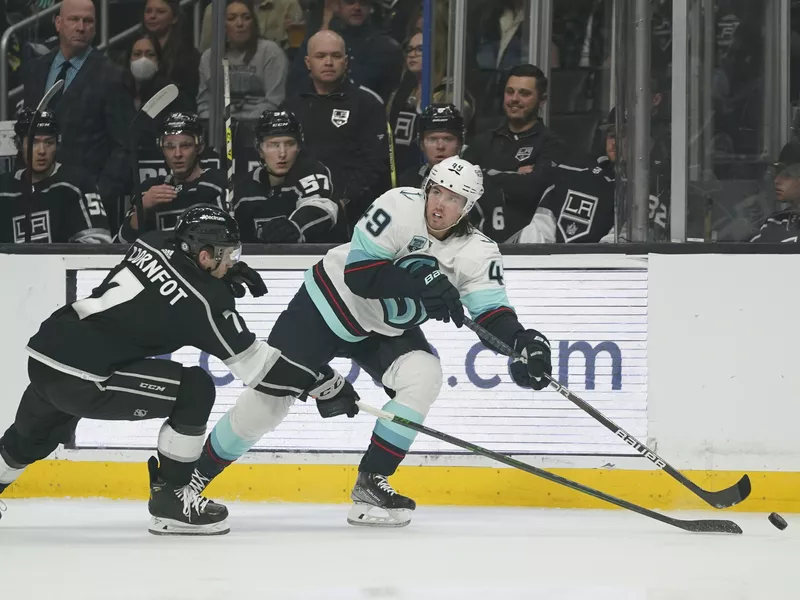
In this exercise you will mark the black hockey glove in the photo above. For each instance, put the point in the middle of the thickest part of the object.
(334, 394)
(239, 276)
(280, 230)
(438, 296)
(535, 347)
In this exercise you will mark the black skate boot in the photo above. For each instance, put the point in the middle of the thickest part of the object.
(377, 504)
(182, 510)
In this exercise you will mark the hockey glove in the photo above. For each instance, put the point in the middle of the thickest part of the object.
(334, 394)
(438, 296)
(241, 275)
(280, 230)
(535, 347)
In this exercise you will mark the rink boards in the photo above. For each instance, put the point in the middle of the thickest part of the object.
(646, 339)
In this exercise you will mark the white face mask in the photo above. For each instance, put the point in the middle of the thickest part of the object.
(143, 68)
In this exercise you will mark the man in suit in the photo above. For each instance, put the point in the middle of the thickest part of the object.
(95, 106)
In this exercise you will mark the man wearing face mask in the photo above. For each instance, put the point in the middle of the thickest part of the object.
(164, 198)
(290, 199)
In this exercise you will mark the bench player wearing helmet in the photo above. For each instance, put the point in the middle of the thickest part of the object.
(290, 199)
(441, 136)
(413, 257)
(89, 359)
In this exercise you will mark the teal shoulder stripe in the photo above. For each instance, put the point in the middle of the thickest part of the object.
(326, 311)
(362, 247)
(480, 301)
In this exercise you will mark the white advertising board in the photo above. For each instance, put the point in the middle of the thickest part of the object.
(596, 320)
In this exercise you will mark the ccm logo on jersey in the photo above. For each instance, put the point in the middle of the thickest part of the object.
(155, 272)
(153, 386)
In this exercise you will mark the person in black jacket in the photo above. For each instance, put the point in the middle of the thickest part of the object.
(376, 60)
(94, 109)
(518, 155)
(441, 135)
(163, 199)
(345, 125)
(290, 199)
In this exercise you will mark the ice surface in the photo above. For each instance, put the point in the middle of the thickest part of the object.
(99, 549)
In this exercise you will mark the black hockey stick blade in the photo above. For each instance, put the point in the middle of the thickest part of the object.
(720, 499)
(698, 526)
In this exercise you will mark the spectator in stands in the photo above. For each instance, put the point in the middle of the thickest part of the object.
(784, 225)
(163, 199)
(95, 107)
(273, 16)
(64, 205)
(405, 106)
(518, 155)
(144, 60)
(375, 59)
(345, 126)
(180, 60)
(258, 67)
(440, 136)
(290, 199)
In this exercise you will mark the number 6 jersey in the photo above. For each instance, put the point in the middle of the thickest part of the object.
(393, 233)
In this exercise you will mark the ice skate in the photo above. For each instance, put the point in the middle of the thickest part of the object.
(183, 510)
(377, 504)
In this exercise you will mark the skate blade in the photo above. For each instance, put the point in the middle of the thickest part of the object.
(362, 515)
(161, 526)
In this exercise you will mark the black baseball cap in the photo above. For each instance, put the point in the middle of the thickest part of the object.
(790, 155)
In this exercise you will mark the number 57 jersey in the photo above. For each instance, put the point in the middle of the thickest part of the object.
(154, 302)
(393, 233)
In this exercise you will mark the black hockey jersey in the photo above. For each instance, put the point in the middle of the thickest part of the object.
(65, 208)
(154, 302)
(209, 188)
(306, 196)
(488, 213)
(579, 207)
(783, 226)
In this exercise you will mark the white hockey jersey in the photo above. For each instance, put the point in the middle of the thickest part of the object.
(392, 228)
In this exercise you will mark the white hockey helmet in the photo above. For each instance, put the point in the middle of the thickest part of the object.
(459, 176)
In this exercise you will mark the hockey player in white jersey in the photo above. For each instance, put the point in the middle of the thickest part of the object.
(413, 256)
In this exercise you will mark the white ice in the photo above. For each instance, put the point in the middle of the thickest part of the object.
(101, 550)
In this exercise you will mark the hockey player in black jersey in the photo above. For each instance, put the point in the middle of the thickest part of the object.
(90, 360)
(182, 141)
(64, 206)
(441, 135)
(290, 198)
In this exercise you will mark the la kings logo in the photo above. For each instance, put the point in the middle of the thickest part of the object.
(340, 117)
(577, 215)
(404, 130)
(524, 153)
(40, 227)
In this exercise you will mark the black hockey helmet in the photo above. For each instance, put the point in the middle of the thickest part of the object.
(46, 124)
(185, 123)
(441, 117)
(273, 123)
(204, 225)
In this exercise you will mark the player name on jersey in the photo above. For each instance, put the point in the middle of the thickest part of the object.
(154, 271)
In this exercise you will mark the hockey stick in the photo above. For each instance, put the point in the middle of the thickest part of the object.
(721, 499)
(392, 159)
(48, 96)
(699, 526)
(152, 108)
(226, 77)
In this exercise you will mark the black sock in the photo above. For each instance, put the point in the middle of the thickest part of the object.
(381, 457)
(209, 465)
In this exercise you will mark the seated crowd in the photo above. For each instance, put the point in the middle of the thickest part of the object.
(323, 126)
